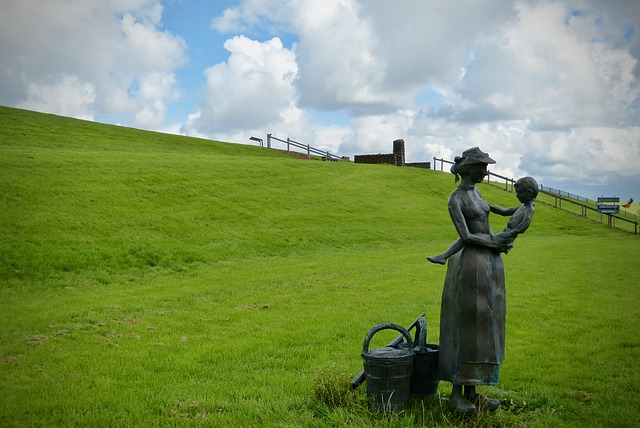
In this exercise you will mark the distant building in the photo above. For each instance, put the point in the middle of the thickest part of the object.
(396, 158)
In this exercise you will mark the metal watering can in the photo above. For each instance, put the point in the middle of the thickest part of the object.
(388, 370)
(425, 377)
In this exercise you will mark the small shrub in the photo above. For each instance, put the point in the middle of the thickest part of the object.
(333, 389)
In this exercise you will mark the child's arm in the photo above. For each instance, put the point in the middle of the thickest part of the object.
(502, 211)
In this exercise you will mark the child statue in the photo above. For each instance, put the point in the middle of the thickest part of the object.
(526, 191)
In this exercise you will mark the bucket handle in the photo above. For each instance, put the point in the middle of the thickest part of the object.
(385, 326)
(421, 334)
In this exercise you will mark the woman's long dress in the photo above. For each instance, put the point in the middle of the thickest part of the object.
(472, 318)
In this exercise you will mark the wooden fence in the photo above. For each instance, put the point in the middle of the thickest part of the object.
(578, 205)
(309, 150)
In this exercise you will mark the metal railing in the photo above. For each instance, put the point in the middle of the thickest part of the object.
(566, 201)
(325, 154)
(563, 193)
(621, 220)
(508, 182)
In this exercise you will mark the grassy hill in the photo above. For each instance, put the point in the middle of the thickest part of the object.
(150, 279)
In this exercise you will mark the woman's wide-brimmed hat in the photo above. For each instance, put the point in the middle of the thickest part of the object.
(474, 155)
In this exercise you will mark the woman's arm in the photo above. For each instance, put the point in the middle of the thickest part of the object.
(460, 223)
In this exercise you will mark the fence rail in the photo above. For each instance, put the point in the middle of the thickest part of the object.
(326, 155)
(566, 201)
(563, 193)
(589, 211)
(508, 182)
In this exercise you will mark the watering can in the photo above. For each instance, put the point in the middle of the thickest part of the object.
(388, 370)
(425, 364)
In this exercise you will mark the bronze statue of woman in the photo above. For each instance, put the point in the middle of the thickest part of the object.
(472, 318)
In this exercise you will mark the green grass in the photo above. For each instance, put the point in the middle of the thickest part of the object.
(157, 280)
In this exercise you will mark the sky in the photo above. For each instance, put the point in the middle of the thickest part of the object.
(549, 88)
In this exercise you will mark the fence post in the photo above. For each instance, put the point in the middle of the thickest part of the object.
(268, 141)
(288, 151)
(308, 152)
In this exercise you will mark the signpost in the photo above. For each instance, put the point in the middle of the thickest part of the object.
(609, 205)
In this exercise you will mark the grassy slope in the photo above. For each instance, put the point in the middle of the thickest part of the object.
(154, 279)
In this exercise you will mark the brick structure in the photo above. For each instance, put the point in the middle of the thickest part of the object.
(396, 158)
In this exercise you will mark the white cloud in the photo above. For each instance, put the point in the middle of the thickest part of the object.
(336, 55)
(561, 78)
(102, 55)
(252, 90)
(65, 95)
(334, 52)
(151, 93)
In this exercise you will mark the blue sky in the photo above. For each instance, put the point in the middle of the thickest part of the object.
(548, 87)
